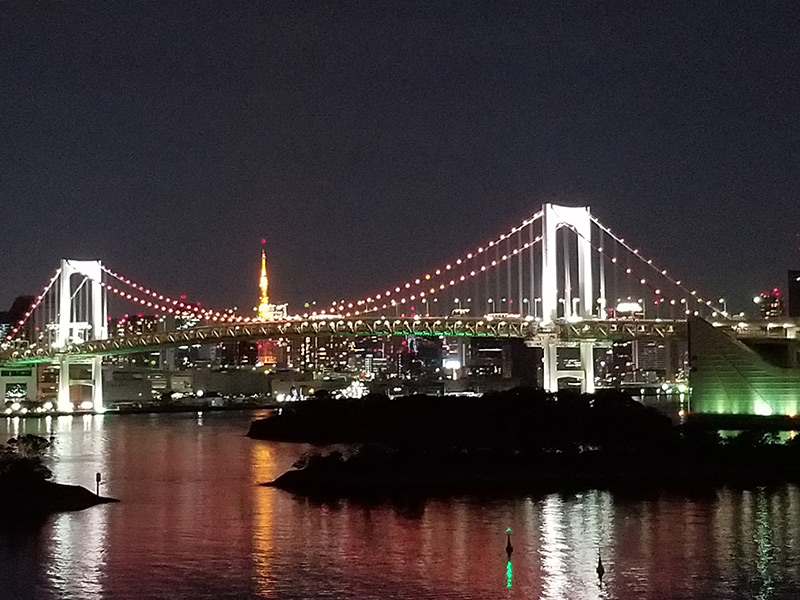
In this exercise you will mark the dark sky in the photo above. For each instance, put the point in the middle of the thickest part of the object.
(369, 141)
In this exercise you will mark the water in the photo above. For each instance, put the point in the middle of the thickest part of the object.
(193, 523)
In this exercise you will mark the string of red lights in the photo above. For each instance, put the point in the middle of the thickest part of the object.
(13, 332)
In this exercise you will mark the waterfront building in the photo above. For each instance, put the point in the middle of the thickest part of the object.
(728, 376)
(770, 304)
(793, 292)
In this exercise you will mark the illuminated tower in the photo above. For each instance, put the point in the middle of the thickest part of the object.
(264, 308)
(266, 312)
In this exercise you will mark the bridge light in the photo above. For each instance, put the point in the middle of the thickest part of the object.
(469, 255)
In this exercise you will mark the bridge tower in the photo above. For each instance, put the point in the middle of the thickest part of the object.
(82, 311)
(579, 220)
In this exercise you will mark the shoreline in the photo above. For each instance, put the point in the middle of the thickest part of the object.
(47, 498)
(143, 410)
(440, 475)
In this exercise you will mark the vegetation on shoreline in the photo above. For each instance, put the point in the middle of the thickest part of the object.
(519, 438)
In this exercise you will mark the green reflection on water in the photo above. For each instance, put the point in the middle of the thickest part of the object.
(765, 558)
(509, 574)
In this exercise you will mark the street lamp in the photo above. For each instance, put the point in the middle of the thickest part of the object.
(526, 306)
(724, 304)
(490, 305)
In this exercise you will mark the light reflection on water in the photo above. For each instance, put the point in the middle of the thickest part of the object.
(193, 523)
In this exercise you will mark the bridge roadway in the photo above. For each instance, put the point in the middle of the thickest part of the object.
(532, 332)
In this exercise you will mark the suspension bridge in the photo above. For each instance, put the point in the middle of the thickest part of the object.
(558, 279)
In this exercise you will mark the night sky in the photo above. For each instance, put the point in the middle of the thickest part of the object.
(370, 141)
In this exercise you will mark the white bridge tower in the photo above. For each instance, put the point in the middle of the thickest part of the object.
(82, 311)
(578, 219)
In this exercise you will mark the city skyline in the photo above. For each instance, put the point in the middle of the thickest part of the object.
(367, 145)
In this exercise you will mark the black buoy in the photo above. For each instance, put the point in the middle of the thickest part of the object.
(600, 569)
(509, 547)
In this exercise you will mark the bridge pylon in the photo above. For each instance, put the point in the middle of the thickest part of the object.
(82, 317)
(579, 220)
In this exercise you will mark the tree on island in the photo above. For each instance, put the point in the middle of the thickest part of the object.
(22, 460)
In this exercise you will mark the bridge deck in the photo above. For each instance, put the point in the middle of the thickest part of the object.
(527, 329)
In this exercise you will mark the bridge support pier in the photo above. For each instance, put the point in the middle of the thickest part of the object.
(64, 401)
(551, 373)
(97, 384)
(550, 366)
(587, 367)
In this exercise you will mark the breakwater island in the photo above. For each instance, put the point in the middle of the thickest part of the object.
(520, 439)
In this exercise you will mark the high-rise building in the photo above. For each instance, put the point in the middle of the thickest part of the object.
(771, 304)
(794, 293)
